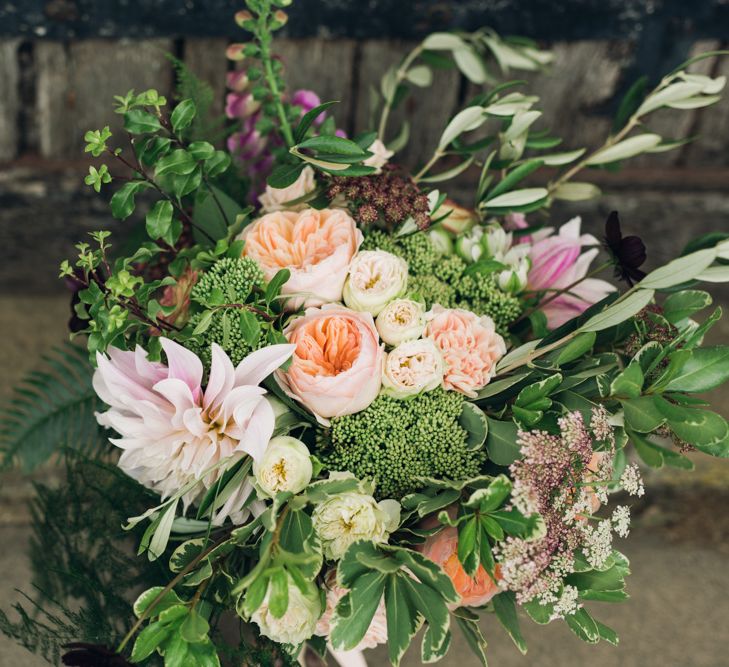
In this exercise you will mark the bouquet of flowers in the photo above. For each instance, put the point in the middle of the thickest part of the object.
(355, 409)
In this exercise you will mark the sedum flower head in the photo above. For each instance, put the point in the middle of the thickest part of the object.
(396, 442)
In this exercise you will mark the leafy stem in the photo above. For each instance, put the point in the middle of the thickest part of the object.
(140, 170)
(264, 38)
(429, 164)
(176, 580)
(400, 75)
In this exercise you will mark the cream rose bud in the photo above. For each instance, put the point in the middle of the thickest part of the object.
(375, 278)
(401, 320)
(285, 466)
(496, 242)
(380, 156)
(459, 219)
(514, 279)
(412, 368)
(278, 199)
(468, 245)
(298, 622)
(349, 517)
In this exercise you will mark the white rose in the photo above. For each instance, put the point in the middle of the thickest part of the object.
(349, 517)
(375, 278)
(285, 466)
(412, 368)
(298, 622)
(277, 199)
(401, 320)
(380, 155)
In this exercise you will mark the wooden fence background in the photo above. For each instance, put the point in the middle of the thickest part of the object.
(61, 62)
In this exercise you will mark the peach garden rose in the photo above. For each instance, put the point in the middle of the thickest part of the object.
(470, 347)
(442, 548)
(317, 247)
(337, 365)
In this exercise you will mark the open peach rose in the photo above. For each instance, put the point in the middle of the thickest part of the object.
(317, 247)
(337, 365)
(470, 347)
(442, 548)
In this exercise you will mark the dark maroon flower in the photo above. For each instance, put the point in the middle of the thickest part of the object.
(92, 655)
(628, 253)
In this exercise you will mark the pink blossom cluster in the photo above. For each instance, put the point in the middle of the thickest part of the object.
(553, 479)
(247, 145)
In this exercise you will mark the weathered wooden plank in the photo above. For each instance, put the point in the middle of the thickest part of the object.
(711, 146)
(9, 98)
(576, 89)
(81, 88)
(568, 19)
(206, 60)
(324, 66)
(54, 99)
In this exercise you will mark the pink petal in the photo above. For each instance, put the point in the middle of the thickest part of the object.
(222, 377)
(184, 365)
(260, 364)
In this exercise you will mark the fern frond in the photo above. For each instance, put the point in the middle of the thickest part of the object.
(205, 126)
(51, 409)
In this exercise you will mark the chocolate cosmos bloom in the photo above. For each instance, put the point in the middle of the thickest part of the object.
(628, 253)
(92, 655)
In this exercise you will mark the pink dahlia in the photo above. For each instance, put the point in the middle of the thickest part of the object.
(172, 431)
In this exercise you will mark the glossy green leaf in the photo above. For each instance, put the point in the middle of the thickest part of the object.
(183, 115)
(505, 608)
(501, 442)
(642, 414)
(705, 369)
(148, 640)
(122, 203)
(619, 312)
(139, 121)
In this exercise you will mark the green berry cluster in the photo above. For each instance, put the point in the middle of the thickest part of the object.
(396, 442)
(232, 278)
(442, 279)
(218, 295)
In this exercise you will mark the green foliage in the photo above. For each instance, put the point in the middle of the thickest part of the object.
(416, 593)
(78, 551)
(51, 409)
(204, 125)
(234, 309)
(397, 442)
